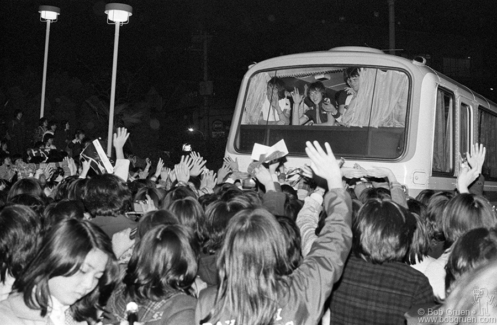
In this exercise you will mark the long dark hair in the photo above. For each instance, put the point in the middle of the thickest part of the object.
(19, 238)
(163, 263)
(62, 253)
(251, 263)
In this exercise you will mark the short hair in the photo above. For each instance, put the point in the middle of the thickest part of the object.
(217, 217)
(65, 209)
(464, 212)
(62, 253)
(152, 192)
(317, 86)
(292, 208)
(78, 132)
(351, 72)
(476, 247)
(382, 231)
(424, 196)
(434, 214)
(47, 137)
(29, 186)
(153, 219)
(190, 214)
(278, 84)
(34, 202)
(177, 193)
(19, 239)
(106, 195)
(374, 193)
(52, 123)
(163, 261)
(77, 188)
(293, 241)
(62, 190)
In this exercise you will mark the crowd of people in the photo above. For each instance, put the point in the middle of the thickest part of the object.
(186, 245)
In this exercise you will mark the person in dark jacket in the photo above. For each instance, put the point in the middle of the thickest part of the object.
(377, 287)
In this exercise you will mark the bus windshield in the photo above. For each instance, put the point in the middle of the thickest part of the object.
(360, 111)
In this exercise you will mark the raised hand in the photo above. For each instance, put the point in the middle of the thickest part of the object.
(296, 96)
(264, 177)
(477, 156)
(208, 180)
(324, 164)
(223, 172)
(158, 169)
(48, 172)
(71, 165)
(85, 168)
(172, 175)
(467, 175)
(232, 164)
(198, 164)
(187, 160)
(182, 172)
(120, 137)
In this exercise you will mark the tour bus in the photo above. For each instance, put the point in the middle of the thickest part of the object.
(405, 116)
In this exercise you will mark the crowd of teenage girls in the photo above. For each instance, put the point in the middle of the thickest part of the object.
(189, 246)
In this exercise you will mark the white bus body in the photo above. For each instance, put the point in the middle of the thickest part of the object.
(465, 117)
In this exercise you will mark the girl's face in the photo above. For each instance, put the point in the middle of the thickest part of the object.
(4, 147)
(69, 289)
(45, 123)
(316, 96)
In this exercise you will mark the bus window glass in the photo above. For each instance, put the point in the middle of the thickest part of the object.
(360, 111)
(442, 146)
(487, 135)
(464, 129)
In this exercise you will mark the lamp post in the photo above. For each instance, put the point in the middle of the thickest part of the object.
(117, 14)
(49, 15)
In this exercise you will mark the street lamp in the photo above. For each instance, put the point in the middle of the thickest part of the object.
(48, 14)
(117, 14)
(192, 130)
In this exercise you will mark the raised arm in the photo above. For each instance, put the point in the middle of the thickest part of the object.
(323, 266)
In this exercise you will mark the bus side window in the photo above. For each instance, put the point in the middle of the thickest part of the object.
(487, 133)
(443, 139)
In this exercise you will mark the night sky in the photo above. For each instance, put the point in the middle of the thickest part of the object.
(243, 31)
(158, 39)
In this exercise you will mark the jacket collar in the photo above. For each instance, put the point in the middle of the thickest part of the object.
(22, 311)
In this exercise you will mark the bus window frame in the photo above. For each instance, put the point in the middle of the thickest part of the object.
(488, 111)
(407, 125)
(452, 129)
(463, 105)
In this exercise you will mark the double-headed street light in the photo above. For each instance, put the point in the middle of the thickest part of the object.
(49, 15)
(117, 14)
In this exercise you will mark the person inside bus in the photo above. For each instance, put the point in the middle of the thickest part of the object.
(343, 98)
(321, 111)
(276, 107)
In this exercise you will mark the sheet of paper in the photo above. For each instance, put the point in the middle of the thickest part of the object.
(264, 153)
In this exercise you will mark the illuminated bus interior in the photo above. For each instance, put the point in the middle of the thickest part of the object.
(374, 106)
